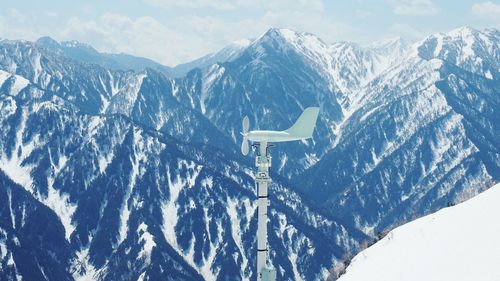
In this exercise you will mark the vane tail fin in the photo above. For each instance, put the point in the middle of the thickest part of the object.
(304, 126)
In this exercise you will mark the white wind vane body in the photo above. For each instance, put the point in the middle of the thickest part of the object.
(302, 129)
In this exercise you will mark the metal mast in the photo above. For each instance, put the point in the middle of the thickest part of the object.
(263, 162)
(302, 129)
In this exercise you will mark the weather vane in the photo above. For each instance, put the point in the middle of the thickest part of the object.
(302, 129)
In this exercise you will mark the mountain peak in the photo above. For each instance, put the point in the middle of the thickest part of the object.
(287, 35)
(78, 45)
(464, 33)
(463, 30)
(279, 34)
(387, 43)
(282, 39)
(52, 44)
(48, 42)
(395, 46)
(463, 42)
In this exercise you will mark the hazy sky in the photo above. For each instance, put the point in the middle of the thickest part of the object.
(175, 31)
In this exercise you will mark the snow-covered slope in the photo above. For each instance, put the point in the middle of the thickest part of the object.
(274, 78)
(420, 134)
(134, 163)
(227, 54)
(132, 184)
(458, 243)
(86, 53)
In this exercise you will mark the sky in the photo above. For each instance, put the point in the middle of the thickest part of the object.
(178, 31)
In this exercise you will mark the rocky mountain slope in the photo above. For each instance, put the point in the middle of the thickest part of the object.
(424, 133)
(135, 175)
(125, 199)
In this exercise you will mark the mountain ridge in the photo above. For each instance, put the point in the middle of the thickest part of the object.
(136, 163)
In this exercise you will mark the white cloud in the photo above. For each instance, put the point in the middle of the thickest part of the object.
(179, 38)
(196, 4)
(414, 7)
(295, 5)
(487, 10)
(144, 36)
(406, 31)
(318, 23)
(238, 4)
(13, 25)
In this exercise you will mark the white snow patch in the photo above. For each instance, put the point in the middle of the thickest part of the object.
(148, 240)
(311, 159)
(4, 76)
(296, 241)
(170, 207)
(439, 46)
(11, 262)
(376, 160)
(104, 99)
(57, 201)
(3, 247)
(207, 182)
(37, 66)
(12, 166)
(170, 211)
(469, 41)
(170, 218)
(232, 210)
(12, 217)
(19, 84)
(283, 160)
(61, 205)
(103, 159)
(140, 156)
(206, 268)
(83, 270)
(488, 75)
(214, 72)
(456, 243)
(43, 271)
(126, 95)
(293, 261)
(368, 113)
(3, 252)
(105, 104)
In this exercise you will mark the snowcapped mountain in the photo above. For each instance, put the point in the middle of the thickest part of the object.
(456, 243)
(140, 177)
(391, 47)
(298, 68)
(131, 191)
(86, 53)
(472, 50)
(427, 128)
(227, 54)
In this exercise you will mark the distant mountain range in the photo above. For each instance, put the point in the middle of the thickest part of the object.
(115, 167)
(87, 54)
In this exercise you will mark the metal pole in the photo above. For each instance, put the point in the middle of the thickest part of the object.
(263, 162)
